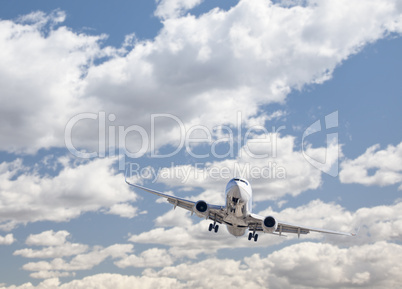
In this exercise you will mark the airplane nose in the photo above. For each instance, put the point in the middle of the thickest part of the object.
(237, 192)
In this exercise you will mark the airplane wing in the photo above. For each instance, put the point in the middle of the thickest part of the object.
(214, 212)
(255, 223)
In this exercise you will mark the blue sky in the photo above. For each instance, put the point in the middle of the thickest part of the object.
(103, 71)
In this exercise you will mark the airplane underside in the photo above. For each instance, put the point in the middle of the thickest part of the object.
(237, 230)
(234, 230)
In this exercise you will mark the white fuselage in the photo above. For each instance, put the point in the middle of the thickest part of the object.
(238, 206)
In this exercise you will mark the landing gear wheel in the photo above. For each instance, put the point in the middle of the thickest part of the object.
(210, 227)
(216, 228)
(255, 237)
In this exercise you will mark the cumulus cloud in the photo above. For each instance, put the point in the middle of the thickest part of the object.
(371, 266)
(150, 258)
(329, 267)
(374, 224)
(40, 79)
(320, 215)
(103, 281)
(7, 239)
(66, 257)
(374, 167)
(26, 196)
(123, 210)
(269, 161)
(47, 238)
(84, 261)
(67, 249)
(50, 275)
(55, 246)
(83, 257)
(174, 8)
(255, 53)
(250, 55)
(189, 237)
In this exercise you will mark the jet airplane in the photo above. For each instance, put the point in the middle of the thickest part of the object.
(237, 213)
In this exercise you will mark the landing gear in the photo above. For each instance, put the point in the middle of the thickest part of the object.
(253, 236)
(214, 227)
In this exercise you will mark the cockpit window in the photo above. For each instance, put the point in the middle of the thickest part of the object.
(240, 180)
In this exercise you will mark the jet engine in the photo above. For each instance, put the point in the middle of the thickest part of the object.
(201, 209)
(270, 224)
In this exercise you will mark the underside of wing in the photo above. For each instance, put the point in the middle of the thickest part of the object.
(200, 208)
(269, 224)
(292, 228)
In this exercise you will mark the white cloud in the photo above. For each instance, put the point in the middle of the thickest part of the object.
(354, 267)
(7, 239)
(375, 224)
(50, 274)
(251, 55)
(25, 196)
(40, 80)
(189, 237)
(69, 257)
(47, 238)
(40, 19)
(319, 215)
(269, 161)
(123, 210)
(79, 262)
(105, 281)
(150, 258)
(174, 8)
(328, 267)
(379, 223)
(55, 244)
(174, 218)
(370, 266)
(64, 250)
(387, 166)
(361, 262)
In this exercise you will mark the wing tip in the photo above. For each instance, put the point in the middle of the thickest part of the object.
(127, 182)
(356, 232)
